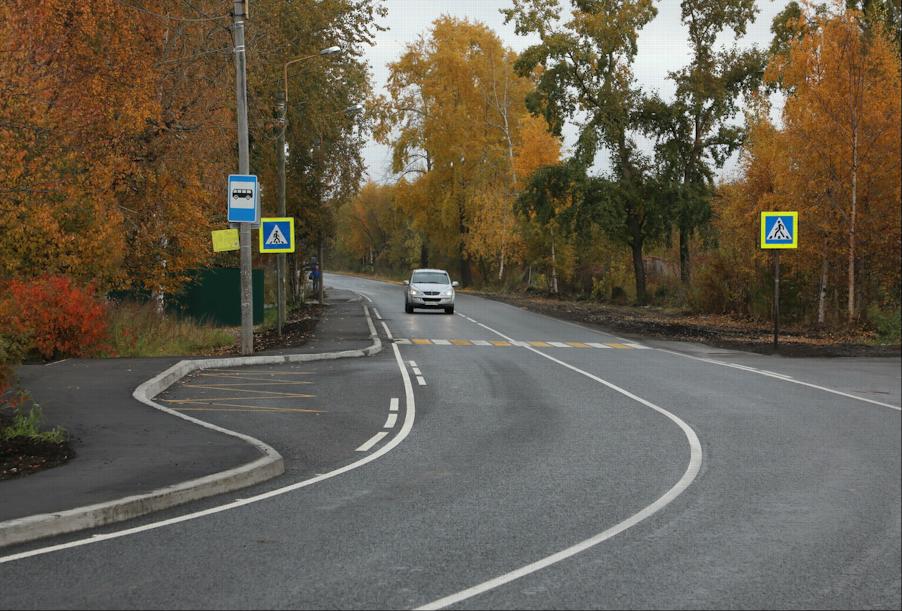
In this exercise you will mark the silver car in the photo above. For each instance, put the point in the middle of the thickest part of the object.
(429, 288)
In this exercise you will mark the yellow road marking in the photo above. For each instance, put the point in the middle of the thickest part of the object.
(540, 344)
(576, 344)
(421, 342)
(250, 410)
(496, 342)
(193, 399)
(619, 346)
(266, 380)
(265, 392)
(461, 342)
(261, 383)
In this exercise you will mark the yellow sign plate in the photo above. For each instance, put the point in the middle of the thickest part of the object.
(225, 239)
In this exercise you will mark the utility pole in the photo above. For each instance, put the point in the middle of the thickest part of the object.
(244, 233)
(322, 275)
(280, 258)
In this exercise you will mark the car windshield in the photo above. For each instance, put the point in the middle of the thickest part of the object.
(430, 278)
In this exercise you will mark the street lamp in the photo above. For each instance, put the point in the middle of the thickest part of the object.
(281, 154)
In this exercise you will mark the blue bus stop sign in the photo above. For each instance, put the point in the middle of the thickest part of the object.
(243, 196)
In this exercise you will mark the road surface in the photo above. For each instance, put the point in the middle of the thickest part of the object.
(497, 458)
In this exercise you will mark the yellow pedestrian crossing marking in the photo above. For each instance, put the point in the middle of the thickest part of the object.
(533, 343)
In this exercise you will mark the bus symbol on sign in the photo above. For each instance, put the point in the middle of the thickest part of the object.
(243, 199)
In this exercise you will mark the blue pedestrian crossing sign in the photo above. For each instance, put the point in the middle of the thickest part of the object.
(243, 199)
(277, 234)
(779, 230)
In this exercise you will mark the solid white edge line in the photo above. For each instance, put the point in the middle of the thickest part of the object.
(376, 312)
(778, 376)
(695, 461)
(372, 441)
(387, 332)
(409, 416)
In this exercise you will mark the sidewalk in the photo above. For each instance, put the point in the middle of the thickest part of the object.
(125, 448)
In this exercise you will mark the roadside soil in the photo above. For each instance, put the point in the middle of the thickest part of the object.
(716, 330)
(296, 331)
(21, 456)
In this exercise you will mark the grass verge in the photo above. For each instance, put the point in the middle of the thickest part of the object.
(136, 330)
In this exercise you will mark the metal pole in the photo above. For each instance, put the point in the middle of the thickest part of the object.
(244, 234)
(280, 258)
(776, 297)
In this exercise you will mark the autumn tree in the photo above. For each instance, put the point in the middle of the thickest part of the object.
(454, 117)
(842, 124)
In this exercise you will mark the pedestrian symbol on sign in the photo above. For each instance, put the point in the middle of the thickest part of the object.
(779, 231)
(276, 238)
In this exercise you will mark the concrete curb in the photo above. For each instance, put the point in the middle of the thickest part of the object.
(266, 467)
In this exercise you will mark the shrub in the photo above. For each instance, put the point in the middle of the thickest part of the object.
(54, 317)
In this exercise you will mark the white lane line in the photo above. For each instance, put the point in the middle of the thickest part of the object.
(416, 371)
(636, 346)
(376, 312)
(557, 344)
(421, 381)
(412, 363)
(393, 406)
(373, 441)
(403, 342)
(406, 427)
(597, 345)
(783, 377)
(387, 332)
(440, 342)
(695, 461)
(480, 342)
(390, 421)
(367, 297)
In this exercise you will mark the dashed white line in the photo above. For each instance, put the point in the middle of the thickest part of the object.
(416, 371)
(406, 427)
(390, 421)
(441, 342)
(421, 381)
(376, 312)
(480, 342)
(373, 441)
(412, 363)
(597, 345)
(393, 406)
(555, 344)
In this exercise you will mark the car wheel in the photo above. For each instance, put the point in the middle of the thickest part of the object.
(449, 310)
(408, 308)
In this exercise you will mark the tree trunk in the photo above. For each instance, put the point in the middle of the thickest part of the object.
(639, 271)
(424, 253)
(851, 301)
(554, 287)
(822, 293)
(685, 234)
(501, 267)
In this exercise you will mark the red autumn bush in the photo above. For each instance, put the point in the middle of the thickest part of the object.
(54, 317)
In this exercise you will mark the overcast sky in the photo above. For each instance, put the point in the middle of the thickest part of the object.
(662, 48)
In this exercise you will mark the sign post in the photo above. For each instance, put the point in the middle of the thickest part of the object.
(779, 230)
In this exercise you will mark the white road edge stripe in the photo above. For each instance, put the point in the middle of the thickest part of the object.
(695, 462)
(387, 332)
(376, 312)
(406, 427)
(373, 441)
(780, 376)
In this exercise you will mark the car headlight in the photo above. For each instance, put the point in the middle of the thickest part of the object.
(448, 293)
(414, 292)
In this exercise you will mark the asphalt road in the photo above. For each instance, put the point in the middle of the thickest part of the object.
(532, 463)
